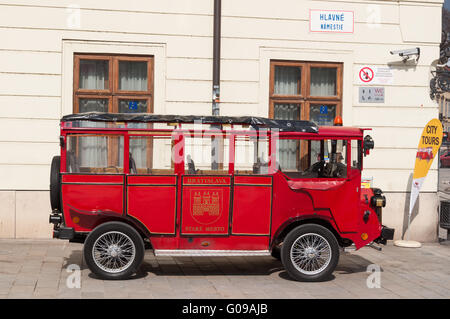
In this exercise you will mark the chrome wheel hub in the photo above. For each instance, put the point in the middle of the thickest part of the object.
(310, 254)
(113, 252)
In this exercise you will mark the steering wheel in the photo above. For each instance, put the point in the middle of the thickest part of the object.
(329, 170)
(316, 168)
(320, 168)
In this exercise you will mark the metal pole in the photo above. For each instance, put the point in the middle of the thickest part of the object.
(216, 57)
(216, 81)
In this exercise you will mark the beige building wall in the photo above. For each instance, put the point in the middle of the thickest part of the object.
(38, 39)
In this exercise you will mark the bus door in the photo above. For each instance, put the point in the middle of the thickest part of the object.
(252, 187)
(205, 187)
(152, 183)
(93, 179)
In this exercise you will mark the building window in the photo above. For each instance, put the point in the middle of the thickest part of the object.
(306, 91)
(113, 83)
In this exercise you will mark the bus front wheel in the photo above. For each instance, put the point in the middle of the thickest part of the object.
(114, 250)
(310, 252)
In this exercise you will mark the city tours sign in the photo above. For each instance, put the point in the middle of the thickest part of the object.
(429, 144)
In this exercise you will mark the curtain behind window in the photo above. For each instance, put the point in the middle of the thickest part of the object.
(93, 150)
(287, 80)
(287, 149)
(138, 147)
(93, 74)
(132, 76)
(323, 82)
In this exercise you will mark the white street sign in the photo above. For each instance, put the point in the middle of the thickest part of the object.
(331, 21)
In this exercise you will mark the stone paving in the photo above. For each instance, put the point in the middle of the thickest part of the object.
(39, 269)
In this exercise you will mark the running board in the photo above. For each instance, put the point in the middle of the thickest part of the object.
(208, 253)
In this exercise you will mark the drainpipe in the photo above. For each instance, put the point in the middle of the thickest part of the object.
(215, 145)
(216, 58)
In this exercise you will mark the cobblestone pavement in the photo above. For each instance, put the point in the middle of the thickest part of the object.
(39, 269)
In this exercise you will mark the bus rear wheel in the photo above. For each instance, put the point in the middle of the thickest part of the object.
(114, 251)
(310, 252)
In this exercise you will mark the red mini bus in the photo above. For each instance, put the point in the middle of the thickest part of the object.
(212, 186)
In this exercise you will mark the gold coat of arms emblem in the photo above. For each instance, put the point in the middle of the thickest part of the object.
(206, 205)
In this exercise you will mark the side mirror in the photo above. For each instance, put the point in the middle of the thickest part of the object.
(368, 144)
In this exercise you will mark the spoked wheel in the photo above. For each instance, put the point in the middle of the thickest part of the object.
(114, 250)
(310, 253)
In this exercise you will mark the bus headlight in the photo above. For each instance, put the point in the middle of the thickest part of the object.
(378, 201)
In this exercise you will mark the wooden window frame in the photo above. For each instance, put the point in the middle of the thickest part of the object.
(116, 99)
(113, 93)
(118, 59)
(304, 99)
(76, 74)
(76, 108)
(338, 67)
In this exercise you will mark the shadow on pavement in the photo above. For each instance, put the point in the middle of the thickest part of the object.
(199, 266)
(285, 275)
(232, 266)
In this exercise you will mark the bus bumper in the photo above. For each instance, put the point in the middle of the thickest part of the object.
(64, 233)
(386, 234)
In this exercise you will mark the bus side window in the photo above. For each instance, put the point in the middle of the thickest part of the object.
(94, 154)
(251, 155)
(199, 158)
(151, 155)
(356, 159)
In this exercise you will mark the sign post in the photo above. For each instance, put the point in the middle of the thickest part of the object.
(429, 144)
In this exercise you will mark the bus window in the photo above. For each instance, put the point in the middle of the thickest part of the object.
(251, 155)
(151, 155)
(356, 154)
(99, 154)
(312, 158)
(199, 158)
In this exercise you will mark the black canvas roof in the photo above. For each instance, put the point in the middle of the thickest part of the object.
(256, 122)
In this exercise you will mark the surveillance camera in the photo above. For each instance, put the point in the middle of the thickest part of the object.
(407, 53)
(414, 51)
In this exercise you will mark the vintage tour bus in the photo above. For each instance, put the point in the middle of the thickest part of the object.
(212, 186)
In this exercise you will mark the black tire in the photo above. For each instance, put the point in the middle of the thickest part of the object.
(55, 183)
(108, 228)
(330, 243)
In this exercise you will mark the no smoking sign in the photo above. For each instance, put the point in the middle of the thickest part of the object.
(374, 74)
(366, 74)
